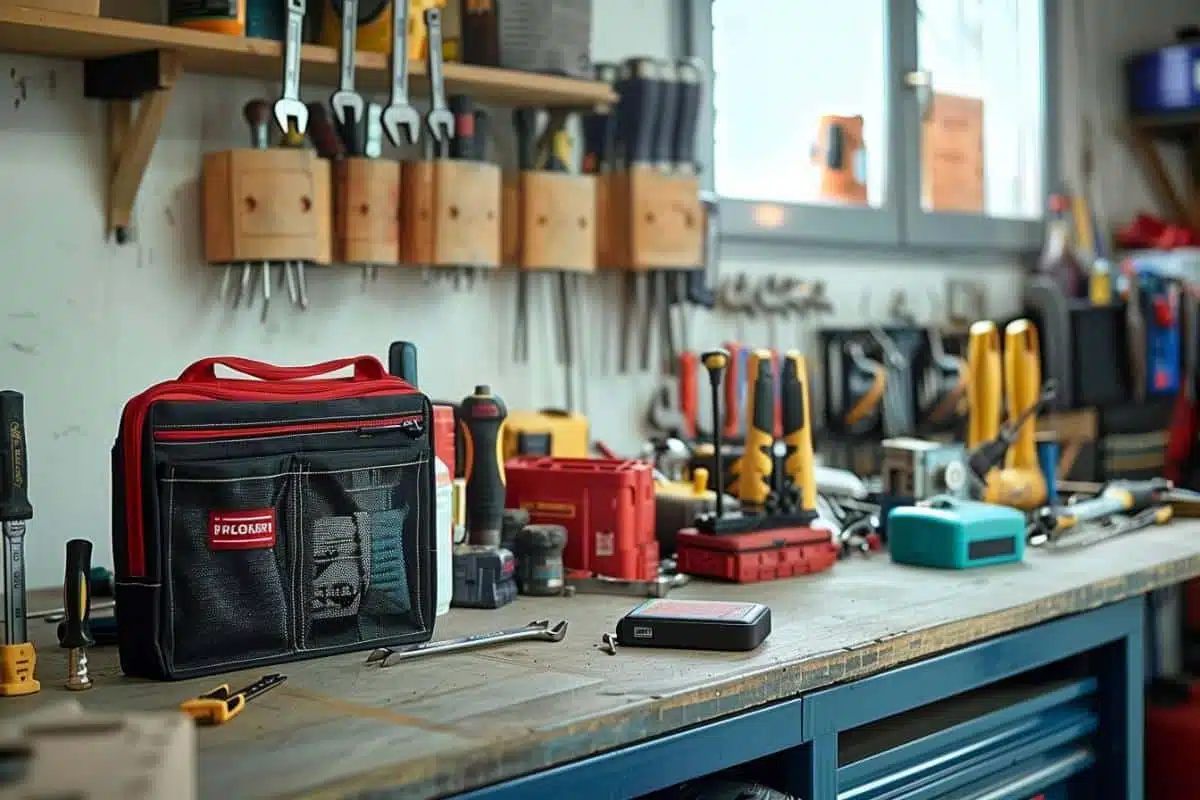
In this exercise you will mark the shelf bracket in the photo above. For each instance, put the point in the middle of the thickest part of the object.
(148, 77)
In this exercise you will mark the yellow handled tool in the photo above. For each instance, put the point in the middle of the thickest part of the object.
(758, 461)
(983, 383)
(797, 429)
(221, 705)
(17, 657)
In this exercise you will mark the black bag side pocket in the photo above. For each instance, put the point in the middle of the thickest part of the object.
(364, 569)
(230, 555)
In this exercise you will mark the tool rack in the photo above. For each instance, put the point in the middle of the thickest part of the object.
(125, 62)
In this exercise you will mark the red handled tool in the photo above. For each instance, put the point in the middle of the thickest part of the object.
(689, 400)
(735, 389)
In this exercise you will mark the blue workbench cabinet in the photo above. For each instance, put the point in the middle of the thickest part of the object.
(971, 730)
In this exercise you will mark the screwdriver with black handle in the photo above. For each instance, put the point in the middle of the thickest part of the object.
(640, 88)
(76, 633)
(715, 363)
(667, 116)
(689, 287)
(599, 127)
(17, 656)
(689, 89)
(462, 146)
(524, 122)
(481, 418)
(758, 461)
(798, 465)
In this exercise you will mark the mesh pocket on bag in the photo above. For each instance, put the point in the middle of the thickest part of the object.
(359, 577)
(230, 588)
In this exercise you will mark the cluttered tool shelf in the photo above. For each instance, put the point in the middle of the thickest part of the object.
(447, 723)
(62, 35)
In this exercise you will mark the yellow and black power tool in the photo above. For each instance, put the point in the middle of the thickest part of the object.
(549, 432)
(375, 27)
(757, 464)
(1018, 481)
(798, 466)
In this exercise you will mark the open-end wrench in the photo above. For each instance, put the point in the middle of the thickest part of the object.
(401, 122)
(346, 102)
(290, 111)
(539, 630)
(439, 120)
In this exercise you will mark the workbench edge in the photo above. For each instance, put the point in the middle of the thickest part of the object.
(660, 715)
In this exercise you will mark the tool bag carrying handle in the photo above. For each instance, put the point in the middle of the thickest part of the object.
(366, 368)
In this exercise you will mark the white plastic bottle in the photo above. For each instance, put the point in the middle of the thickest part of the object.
(444, 540)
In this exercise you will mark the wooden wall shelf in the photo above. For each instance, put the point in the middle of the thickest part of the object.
(60, 35)
(153, 56)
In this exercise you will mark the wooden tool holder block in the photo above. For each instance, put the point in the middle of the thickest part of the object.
(450, 213)
(550, 221)
(650, 220)
(267, 205)
(366, 211)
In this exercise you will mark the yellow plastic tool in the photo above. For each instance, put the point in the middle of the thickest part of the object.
(797, 428)
(757, 462)
(17, 664)
(983, 383)
(1020, 483)
(221, 705)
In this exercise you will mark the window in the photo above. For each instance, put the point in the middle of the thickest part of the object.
(885, 122)
(777, 112)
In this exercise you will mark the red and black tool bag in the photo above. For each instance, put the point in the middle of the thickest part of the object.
(275, 519)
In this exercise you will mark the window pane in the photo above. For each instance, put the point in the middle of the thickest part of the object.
(983, 130)
(799, 101)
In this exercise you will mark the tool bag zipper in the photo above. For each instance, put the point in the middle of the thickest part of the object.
(235, 433)
(133, 424)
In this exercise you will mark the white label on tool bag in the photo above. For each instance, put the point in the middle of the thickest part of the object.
(606, 543)
(643, 632)
(241, 530)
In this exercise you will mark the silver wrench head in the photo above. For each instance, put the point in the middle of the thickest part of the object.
(402, 124)
(554, 633)
(289, 111)
(440, 122)
(348, 105)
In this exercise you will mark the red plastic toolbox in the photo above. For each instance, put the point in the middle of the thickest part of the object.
(606, 505)
(754, 557)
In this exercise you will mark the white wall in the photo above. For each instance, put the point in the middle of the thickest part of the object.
(85, 324)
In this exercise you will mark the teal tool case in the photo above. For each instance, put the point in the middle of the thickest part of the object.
(951, 533)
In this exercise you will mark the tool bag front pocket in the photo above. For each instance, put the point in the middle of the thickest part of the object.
(230, 560)
(363, 571)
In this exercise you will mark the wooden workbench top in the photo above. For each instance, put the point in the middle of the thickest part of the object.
(448, 723)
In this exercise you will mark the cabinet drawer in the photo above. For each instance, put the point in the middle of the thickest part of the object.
(1009, 743)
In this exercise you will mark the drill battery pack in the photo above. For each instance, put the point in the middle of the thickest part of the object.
(755, 557)
(606, 505)
(549, 432)
(484, 577)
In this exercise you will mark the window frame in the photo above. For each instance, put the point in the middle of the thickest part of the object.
(900, 222)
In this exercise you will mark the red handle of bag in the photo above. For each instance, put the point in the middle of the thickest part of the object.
(366, 368)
